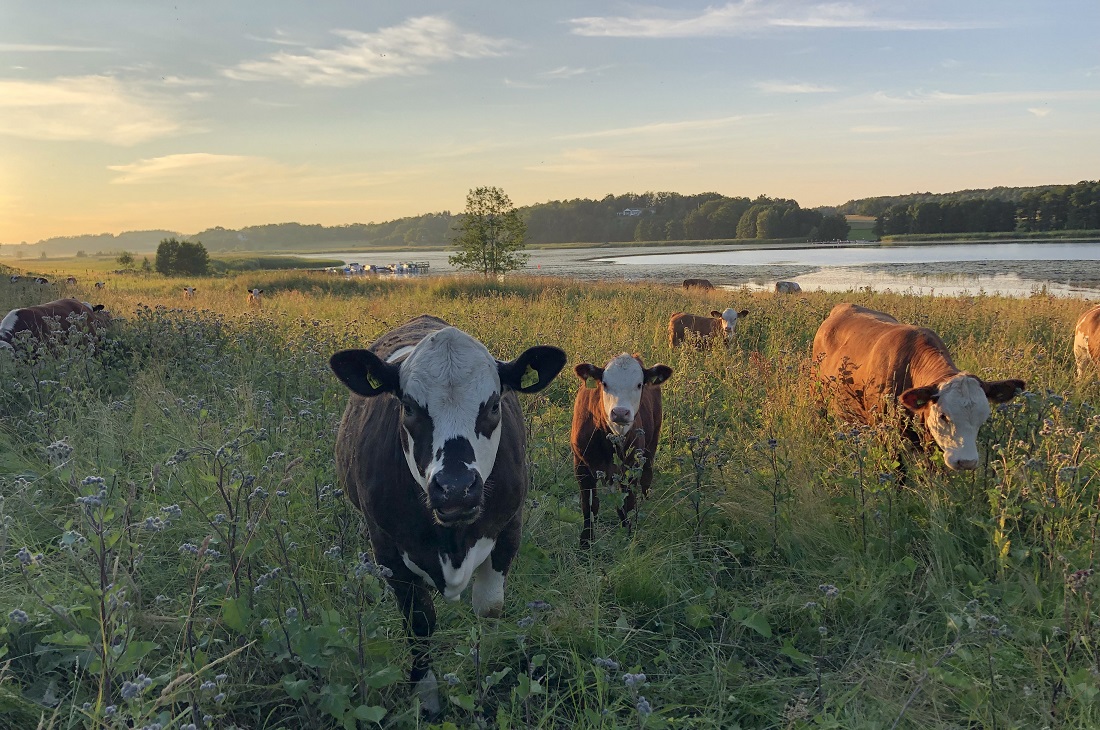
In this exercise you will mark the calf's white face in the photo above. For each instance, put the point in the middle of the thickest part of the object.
(954, 410)
(450, 390)
(728, 321)
(621, 382)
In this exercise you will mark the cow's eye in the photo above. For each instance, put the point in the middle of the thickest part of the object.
(407, 410)
(496, 408)
(944, 418)
(639, 386)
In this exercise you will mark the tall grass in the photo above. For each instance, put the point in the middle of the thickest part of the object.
(175, 549)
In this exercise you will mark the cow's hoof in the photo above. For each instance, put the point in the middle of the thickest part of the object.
(427, 691)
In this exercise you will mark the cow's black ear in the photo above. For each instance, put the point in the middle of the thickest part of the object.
(917, 398)
(657, 374)
(715, 313)
(98, 308)
(743, 313)
(533, 370)
(1002, 391)
(365, 373)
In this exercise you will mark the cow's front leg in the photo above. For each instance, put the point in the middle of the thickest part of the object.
(590, 500)
(418, 610)
(487, 595)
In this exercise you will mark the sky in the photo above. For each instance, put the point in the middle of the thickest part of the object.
(141, 114)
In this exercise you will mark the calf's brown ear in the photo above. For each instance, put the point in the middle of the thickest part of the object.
(657, 374)
(715, 313)
(917, 398)
(1002, 391)
(589, 373)
(365, 373)
(743, 313)
(533, 370)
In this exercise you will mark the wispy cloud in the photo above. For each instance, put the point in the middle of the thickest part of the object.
(568, 72)
(658, 128)
(750, 16)
(401, 50)
(281, 38)
(786, 87)
(218, 170)
(599, 161)
(875, 129)
(50, 48)
(99, 108)
(927, 98)
(1039, 112)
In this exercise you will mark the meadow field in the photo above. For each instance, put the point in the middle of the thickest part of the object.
(176, 553)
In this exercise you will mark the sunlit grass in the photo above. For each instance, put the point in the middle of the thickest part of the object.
(778, 576)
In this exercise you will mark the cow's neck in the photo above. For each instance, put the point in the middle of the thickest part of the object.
(931, 365)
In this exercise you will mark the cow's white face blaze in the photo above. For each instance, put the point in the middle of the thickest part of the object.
(451, 421)
(621, 394)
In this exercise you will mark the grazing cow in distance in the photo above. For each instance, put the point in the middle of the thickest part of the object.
(255, 297)
(698, 284)
(787, 287)
(37, 319)
(432, 450)
(875, 363)
(100, 284)
(14, 278)
(719, 326)
(70, 280)
(1086, 341)
(188, 292)
(616, 425)
(40, 280)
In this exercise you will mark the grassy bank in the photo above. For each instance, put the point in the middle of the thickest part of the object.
(175, 548)
(1035, 236)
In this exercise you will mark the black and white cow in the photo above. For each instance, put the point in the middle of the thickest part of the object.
(432, 450)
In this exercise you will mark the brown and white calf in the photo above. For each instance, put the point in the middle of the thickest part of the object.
(870, 363)
(255, 297)
(718, 327)
(1086, 342)
(432, 450)
(100, 284)
(40, 319)
(188, 292)
(704, 284)
(616, 425)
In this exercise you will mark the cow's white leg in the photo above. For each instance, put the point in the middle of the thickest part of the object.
(487, 595)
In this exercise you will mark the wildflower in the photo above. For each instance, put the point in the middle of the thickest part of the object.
(129, 690)
(810, 605)
(109, 710)
(189, 547)
(172, 512)
(1079, 579)
(539, 606)
(59, 452)
(609, 664)
(451, 678)
(93, 481)
(634, 680)
(829, 590)
(18, 616)
(772, 443)
(292, 613)
(333, 552)
(824, 631)
(643, 707)
(153, 524)
(219, 697)
(24, 556)
(208, 686)
(525, 622)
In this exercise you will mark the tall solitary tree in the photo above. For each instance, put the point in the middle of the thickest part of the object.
(491, 236)
(176, 257)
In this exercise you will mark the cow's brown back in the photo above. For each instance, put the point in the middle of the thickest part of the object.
(681, 323)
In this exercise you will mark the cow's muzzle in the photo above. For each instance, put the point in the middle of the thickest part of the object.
(455, 496)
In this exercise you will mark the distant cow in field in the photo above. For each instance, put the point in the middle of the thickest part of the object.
(1086, 341)
(14, 278)
(40, 280)
(432, 449)
(188, 292)
(698, 284)
(255, 297)
(38, 320)
(876, 363)
(616, 425)
(100, 284)
(787, 287)
(718, 327)
(70, 280)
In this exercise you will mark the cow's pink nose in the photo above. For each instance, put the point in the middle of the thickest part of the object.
(620, 415)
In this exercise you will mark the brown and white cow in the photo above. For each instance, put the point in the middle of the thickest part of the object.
(100, 284)
(70, 280)
(432, 449)
(255, 297)
(698, 284)
(875, 362)
(1086, 341)
(718, 327)
(38, 320)
(188, 292)
(616, 425)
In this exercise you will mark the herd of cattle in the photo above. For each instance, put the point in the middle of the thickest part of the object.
(432, 451)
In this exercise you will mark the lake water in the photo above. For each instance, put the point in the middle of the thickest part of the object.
(862, 255)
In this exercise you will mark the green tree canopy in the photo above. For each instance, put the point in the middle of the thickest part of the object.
(175, 257)
(491, 236)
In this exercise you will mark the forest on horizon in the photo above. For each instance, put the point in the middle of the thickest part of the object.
(662, 216)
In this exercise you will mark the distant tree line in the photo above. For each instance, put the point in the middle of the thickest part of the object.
(1047, 208)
